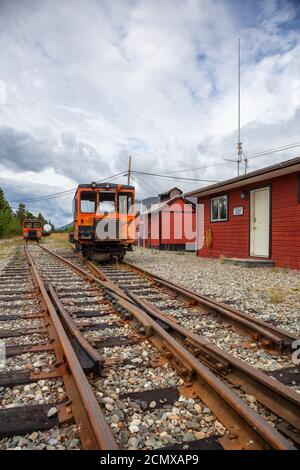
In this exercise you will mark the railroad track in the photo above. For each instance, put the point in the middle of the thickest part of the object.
(172, 298)
(43, 386)
(162, 385)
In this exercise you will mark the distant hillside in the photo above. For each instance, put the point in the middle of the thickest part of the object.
(64, 227)
(148, 201)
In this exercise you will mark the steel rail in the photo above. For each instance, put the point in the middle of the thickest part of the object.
(254, 326)
(89, 357)
(89, 418)
(99, 279)
(280, 399)
(248, 430)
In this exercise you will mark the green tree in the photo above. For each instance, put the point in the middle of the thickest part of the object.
(42, 218)
(9, 224)
(22, 213)
(3, 202)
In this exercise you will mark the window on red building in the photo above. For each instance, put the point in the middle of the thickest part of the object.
(219, 208)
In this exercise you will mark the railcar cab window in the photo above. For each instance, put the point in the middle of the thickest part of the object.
(88, 201)
(107, 202)
(75, 203)
(125, 203)
(219, 208)
(32, 224)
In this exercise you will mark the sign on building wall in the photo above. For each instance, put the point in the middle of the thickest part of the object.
(238, 210)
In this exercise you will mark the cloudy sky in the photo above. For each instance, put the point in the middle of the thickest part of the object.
(85, 83)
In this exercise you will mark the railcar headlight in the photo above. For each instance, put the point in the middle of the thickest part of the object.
(94, 184)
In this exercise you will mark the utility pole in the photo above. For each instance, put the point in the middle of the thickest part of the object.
(129, 171)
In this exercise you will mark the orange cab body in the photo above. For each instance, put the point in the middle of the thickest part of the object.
(104, 220)
(32, 230)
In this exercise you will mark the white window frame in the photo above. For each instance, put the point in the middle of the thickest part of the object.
(211, 211)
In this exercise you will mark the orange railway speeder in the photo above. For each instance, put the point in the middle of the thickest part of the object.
(104, 220)
(32, 230)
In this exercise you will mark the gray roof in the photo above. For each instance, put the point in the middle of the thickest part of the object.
(168, 192)
(158, 206)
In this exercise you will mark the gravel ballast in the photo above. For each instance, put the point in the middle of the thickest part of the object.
(271, 294)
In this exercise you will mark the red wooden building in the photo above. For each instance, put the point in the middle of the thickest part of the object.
(254, 216)
(170, 224)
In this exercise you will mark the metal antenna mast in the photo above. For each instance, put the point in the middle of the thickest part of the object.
(239, 144)
(241, 157)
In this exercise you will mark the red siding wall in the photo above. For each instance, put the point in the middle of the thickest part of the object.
(286, 223)
(173, 218)
(231, 238)
(153, 229)
(179, 232)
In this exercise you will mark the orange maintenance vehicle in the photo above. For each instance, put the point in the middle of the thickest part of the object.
(104, 220)
(32, 230)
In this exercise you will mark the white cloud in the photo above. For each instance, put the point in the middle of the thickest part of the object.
(89, 83)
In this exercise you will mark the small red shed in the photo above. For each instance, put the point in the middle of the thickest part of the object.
(254, 216)
(170, 224)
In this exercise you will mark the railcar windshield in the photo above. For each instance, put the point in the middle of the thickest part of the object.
(107, 202)
(35, 224)
(88, 201)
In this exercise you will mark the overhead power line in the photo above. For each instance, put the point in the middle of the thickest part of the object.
(199, 168)
(67, 192)
(279, 149)
(254, 155)
(174, 177)
(138, 180)
(158, 175)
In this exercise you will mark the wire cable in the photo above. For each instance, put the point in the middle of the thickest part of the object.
(173, 177)
(139, 181)
(254, 155)
(67, 192)
(158, 175)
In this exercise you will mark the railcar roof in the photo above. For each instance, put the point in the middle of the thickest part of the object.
(104, 186)
(32, 220)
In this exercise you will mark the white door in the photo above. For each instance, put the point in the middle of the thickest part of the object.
(260, 222)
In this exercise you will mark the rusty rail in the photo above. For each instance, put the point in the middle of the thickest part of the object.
(90, 359)
(253, 326)
(248, 430)
(281, 400)
(94, 431)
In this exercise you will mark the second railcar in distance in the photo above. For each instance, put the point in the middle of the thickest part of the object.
(104, 220)
(32, 230)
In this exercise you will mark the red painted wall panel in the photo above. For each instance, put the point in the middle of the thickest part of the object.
(231, 238)
(171, 226)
